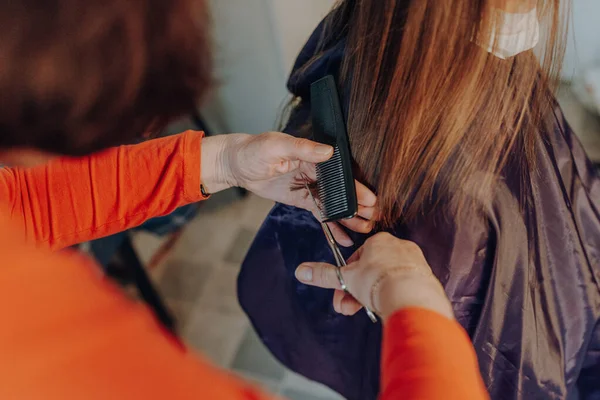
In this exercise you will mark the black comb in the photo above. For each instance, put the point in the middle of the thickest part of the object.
(335, 183)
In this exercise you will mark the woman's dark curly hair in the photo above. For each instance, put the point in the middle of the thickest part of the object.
(78, 76)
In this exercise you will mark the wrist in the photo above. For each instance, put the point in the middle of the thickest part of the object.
(214, 165)
(412, 291)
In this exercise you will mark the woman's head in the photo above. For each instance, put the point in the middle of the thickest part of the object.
(80, 75)
(434, 115)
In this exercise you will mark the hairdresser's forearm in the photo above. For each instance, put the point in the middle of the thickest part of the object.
(71, 200)
(428, 356)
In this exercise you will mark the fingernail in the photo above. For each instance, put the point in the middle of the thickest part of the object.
(323, 149)
(304, 273)
(346, 242)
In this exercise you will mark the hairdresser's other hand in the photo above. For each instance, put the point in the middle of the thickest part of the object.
(363, 222)
(386, 274)
(270, 165)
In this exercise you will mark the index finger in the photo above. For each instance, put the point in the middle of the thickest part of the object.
(292, 148)
(365, 196)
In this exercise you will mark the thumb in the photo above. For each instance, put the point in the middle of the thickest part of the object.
(292, 148)
(322, 275)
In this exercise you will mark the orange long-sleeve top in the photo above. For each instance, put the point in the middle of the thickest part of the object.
(68, 333)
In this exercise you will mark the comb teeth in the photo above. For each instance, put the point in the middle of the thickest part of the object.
(331, 187)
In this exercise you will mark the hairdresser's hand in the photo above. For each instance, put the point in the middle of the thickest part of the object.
(272, 165)
(386, 274)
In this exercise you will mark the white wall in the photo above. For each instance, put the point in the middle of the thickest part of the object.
(294, 21)
(256, 42)
(583, 44)
(248, 67)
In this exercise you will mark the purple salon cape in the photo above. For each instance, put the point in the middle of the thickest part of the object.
(523, 283)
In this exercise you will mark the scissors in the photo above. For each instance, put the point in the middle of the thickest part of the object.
(337, 254)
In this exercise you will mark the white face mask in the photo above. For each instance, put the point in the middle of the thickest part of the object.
(517, 33)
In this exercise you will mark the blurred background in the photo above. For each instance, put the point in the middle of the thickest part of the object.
(192, 257)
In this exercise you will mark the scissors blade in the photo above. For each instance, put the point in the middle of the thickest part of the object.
(330, 239)
(326, 229)
(337, 254)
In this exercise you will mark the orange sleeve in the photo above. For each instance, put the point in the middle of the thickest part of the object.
(72, 200)
(428, 356)
(68, 333)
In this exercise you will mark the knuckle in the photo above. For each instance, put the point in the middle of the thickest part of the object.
(266, 136)
(378, 240)
(373, 239)
(273, 140)
(301, 144)
(323, 275)
(413, 248)
(386, 237)
(272, 134)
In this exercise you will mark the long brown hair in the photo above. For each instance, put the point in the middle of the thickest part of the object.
(432, 113)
